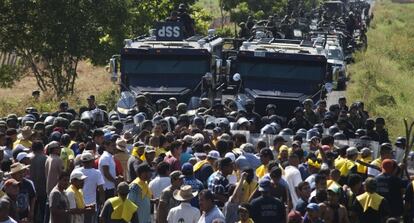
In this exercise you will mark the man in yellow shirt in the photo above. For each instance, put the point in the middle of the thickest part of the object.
(366, 157)
(66, 154)
(24, 140)
(265, 156)
(119, 208)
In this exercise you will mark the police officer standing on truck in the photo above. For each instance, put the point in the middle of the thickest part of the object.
(187, 21)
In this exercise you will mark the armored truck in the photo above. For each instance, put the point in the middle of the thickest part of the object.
(281, 72)
(164, 64)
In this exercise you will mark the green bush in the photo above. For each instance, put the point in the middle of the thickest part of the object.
(382, 76)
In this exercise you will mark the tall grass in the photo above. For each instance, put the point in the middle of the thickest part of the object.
(383, 76)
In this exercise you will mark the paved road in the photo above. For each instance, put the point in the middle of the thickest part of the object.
(333, 97)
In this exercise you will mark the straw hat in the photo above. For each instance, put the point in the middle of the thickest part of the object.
(26, 132)
(17, 167)
(185, 193)
(121, 145)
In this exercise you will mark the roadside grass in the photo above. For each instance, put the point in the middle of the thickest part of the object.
(211, 6)
(91, 81)
(383, 76)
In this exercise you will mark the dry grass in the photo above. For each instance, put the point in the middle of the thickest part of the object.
(91, 80)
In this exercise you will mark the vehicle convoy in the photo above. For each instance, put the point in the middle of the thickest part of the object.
(281, 72)
(164, 65)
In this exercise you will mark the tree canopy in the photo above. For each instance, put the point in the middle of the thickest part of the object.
(52, 36)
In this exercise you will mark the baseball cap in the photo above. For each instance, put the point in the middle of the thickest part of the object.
(213, 154)
(149, 149)
(187, 169)
(312, 207)
(188, 139)
(21, 156)
(87, 156)
(334, 189)
(77, 175)
(264, 184)
(231, 156)
(175, 175)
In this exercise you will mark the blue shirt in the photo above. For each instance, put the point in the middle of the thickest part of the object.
(144, 204)
(210, 179)
(185, 157)
(197, 186)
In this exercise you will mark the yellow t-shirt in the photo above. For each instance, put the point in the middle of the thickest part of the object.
(261, 171)
(339, 162)
(247, 190)
(66, 154)
(24, 142)
(361, 168)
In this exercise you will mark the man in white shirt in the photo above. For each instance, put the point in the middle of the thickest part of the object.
(107, 168)
(293, 177)
(211, 213)
(161, 181)
(93, 182)
(184, 212)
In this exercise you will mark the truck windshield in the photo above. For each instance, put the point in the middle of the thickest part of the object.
(168, 66)
(335, 54)
(282, 70)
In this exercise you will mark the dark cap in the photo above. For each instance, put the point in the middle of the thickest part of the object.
(279, 139)
(225, 162)
(63, 104)
(11, 131)
(187, 169)
(91, 97)
(264, 184)
(266, 152)
(175, 175)
(380, 120)
(312, 207)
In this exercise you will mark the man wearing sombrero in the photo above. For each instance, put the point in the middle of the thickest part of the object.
(26, 197)
(184, 212)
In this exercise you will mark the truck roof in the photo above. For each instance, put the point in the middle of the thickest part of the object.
(282, 47)
(195, 42)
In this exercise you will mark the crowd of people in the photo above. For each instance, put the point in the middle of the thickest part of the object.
(178, 166)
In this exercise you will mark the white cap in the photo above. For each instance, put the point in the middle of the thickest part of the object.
(77, 175)
(21, 156)
(231, 156)
(213, 154)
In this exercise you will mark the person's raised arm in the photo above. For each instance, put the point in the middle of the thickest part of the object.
(235, 197)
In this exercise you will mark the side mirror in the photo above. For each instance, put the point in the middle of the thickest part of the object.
(208, 76)
(219, 62)
(236, 77)
(113, 69)
(228, 66)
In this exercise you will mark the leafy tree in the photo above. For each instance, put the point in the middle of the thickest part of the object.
(52, 36)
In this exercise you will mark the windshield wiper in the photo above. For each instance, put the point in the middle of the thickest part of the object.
(176, 63)
(251, 68)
